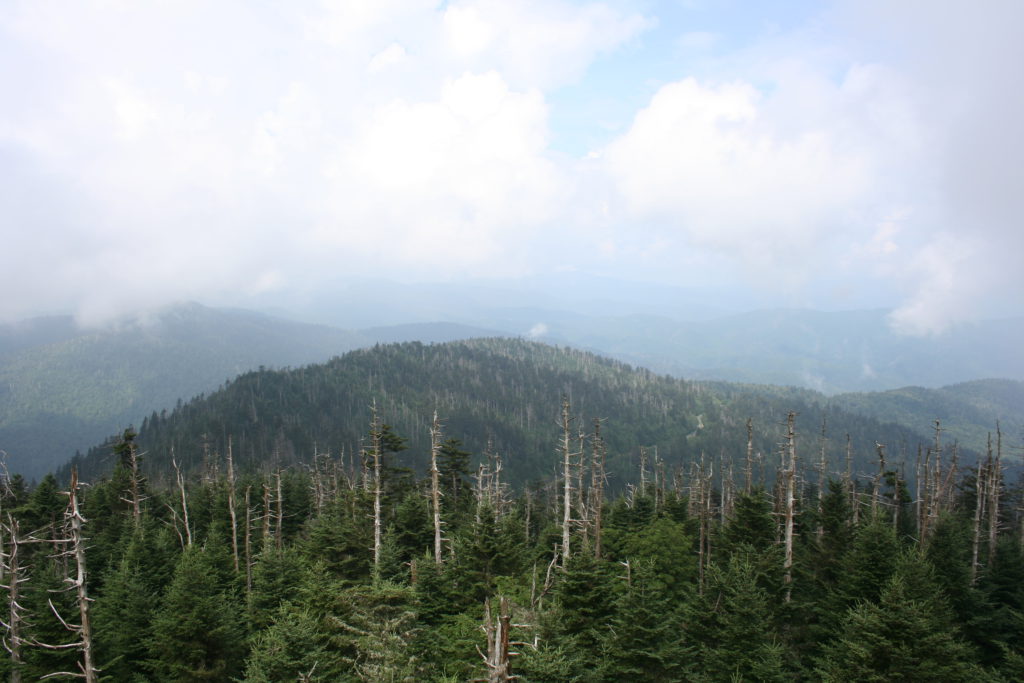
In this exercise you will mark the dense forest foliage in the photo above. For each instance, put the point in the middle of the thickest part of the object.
(497, 394)
(62, 388)
(318, 571)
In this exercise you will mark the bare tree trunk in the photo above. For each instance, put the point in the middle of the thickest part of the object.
(75, 522)
(876, 484)
(581, 503)
(848, 483)
(917, 493)
(566, 449)
(597, 483)
(248, 540)
(790, 475)
(14, 575)
(643, 471)
(994, 486)
(266, 515)
(748, 469)
(134, 482)
(184, 499)
(231, 506)
(376, 445)
(981, 475)
(279, 517)
(822, 471)
(497, 657)
(435, 488)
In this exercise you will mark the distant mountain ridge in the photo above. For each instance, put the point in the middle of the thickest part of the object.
(63, 389)
(503, 394)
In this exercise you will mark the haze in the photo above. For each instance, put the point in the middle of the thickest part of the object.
(735, 155)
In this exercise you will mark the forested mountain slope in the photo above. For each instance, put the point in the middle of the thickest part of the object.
(970, 410)
(63, 388)
(507, 392)
(827, 351)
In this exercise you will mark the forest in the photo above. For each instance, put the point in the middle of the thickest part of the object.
(311, 573)
(650, 534)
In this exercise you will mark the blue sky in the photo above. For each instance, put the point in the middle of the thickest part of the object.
(825, 154)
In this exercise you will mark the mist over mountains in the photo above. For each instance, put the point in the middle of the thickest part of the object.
(64, 389)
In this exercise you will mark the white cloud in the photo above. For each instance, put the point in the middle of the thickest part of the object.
(162, 151)
(722, 166)
(536, 43)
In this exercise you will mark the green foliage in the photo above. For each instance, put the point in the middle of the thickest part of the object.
(730, 625)
(123, 616)
(198, 632)
(291, 649)
(903, 636)
(374, 628)
(642, 642)
(499, 391)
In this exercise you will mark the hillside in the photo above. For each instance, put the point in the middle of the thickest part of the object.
(680, 332)
(506, 391)
(969, 411)
(830, 352)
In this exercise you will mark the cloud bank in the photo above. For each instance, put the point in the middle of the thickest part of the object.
(217, 151)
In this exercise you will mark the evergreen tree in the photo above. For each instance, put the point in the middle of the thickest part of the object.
(198, 632)
(291, 649)
(122, 617)
(642, 642)
(730, 625)
(899, 637)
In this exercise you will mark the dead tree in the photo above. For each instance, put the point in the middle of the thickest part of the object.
(128, 452)
(231, 507)
(981, 475)
(73, 523)
(848, 484)
(567, 455)
(184, 499)
(643, 471)
(994, 486)
(876, 483)
(748, 468)
(14, 573)
(597, 477)
(435, 488)
(789, 474)
(498, 654)
(581, 503)
(279, 515)
(822, 472)
(248, 540)
(376, 445)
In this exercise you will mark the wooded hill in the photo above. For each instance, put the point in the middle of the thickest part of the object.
(64, 389)
(321, 572)
(502, 396)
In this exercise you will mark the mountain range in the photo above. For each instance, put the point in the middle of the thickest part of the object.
(64, 389)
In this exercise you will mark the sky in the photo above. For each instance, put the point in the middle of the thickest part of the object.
(834, 155)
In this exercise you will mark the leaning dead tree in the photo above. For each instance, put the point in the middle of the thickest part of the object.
(184, 501)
